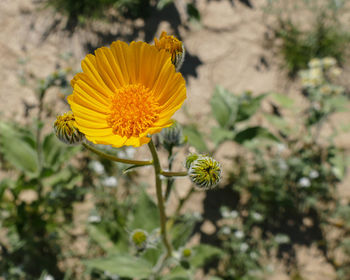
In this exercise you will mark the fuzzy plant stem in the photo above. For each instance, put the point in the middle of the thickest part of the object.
(158, 171)
(173, 174)
(114, 158)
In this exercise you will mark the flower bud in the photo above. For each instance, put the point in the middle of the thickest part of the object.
(66, 131)
(172, 136)
(172, 45)
(186, 253)
(191, 158)
(205, 172)
(139, 238)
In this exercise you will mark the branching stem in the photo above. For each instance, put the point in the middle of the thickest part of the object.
(157, 171)
(114, 158)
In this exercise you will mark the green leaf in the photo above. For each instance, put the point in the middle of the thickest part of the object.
(224, 107)
(177, 273)
(5, 184)
(283, 100)
(248, 107)
(219, 135)
(16, 150)
(122, 265)
(153, 254)
(279, 123)
(182, 231)
(101, 238)
(338, 103)
(65, 177)
(131, 168)
(195, 138)
(338, 165)
(56, 153)
(204, 253)
(251, 133)
(146, 215)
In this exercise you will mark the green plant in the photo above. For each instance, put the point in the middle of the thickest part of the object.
(279, 179)
(100, 9)
(86, 9)
(37, 198)
(324, 37)
(232, 113)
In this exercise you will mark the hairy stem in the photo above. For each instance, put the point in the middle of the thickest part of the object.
(114, 158)
(174, 174)
(39, 129)
(157, 171)
(170, 181)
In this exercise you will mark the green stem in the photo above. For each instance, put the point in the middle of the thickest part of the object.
(173, 174)
(39, 129)
(157, 171)
(113, 158)
(170, 181)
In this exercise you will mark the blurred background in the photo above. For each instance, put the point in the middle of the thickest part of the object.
(268, 97)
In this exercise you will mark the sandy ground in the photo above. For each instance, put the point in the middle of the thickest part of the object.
(228, 50)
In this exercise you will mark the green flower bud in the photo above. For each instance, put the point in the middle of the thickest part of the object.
(172, 136)
(186, 253)
(139, 238)
(191, 158)
(66, 131)
(205, 172)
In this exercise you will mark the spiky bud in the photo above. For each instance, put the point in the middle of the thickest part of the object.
(66, 131)
(205, 172)
(172, 136)
(172, 45)
(190, 159)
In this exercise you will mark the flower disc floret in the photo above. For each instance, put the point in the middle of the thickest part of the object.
(126, 93)
(133, 110)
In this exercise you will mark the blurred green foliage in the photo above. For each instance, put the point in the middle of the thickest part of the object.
(284, 174)
(38, 195)
(85, 9)
(298, 46)
(321, 35)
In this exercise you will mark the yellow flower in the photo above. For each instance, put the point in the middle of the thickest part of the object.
(172, 45)
(125, 93)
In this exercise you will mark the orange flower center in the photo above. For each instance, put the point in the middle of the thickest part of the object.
(133, 110)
